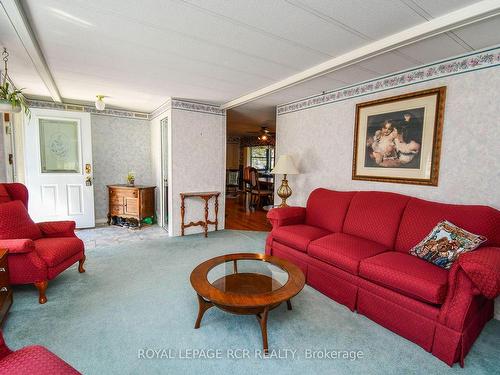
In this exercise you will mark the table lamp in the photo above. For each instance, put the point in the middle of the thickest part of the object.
(284, 166)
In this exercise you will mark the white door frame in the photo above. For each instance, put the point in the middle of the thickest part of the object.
(164, 146)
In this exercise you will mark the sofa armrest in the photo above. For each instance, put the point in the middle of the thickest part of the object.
(474, 273)
(18, 246)
(482, 266)
(57, 228)
(286, 216)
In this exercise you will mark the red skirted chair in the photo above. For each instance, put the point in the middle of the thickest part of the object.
(33, 359)
(37, 252)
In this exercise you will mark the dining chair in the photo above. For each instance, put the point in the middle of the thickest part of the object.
(232, 183)
(256, 192)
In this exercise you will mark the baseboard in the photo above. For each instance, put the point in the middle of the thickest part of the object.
(101, 221)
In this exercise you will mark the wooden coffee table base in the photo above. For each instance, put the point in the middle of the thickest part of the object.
(246, 293)
(259, 312)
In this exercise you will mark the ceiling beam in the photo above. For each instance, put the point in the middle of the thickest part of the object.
(450, 21)
(20, 23)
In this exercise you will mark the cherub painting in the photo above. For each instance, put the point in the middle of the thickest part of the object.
(398, 139)
(394, 139)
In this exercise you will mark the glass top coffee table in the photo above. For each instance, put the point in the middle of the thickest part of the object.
(246, 284)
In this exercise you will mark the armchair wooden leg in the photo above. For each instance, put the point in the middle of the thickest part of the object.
(80, 264)
(42, 287)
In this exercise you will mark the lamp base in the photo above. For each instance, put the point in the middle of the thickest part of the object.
(284, 192)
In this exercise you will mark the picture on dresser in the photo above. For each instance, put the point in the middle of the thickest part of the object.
(398, 139)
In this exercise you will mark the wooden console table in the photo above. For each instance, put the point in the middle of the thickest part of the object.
(206, 196)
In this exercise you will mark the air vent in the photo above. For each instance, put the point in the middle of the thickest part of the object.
(74, 107)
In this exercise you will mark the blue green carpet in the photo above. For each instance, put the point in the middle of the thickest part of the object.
(137, 296)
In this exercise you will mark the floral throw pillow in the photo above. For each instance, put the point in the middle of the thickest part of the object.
(445, 243)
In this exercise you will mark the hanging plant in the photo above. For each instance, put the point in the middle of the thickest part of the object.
(11, 99)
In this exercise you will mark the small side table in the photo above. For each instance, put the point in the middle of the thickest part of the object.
(206, 196)
(5, 289)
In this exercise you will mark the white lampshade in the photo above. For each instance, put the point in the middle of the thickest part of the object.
(285, 165)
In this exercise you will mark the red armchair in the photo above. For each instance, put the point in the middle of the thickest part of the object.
(37, 252)
(33, 359)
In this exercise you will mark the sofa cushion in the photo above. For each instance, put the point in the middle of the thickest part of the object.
(407, 275)
(375, 215)
(298, 236)
(15, 222)
(445, 243)
(327, 209)
(55, 250)
(344, 250)
(421, 216)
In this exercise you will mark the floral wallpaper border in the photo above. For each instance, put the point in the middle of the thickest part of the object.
(186, 105)
(162, 108)
(466, 63)
(87, 108)
(171, 103)
(197, 107)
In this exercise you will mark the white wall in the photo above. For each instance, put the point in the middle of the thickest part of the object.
(321, 141)
(196, 159)
(119, 145)
(198, 156)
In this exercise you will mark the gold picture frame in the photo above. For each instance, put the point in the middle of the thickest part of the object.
(398, 139)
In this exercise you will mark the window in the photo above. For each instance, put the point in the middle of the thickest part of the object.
(262, 158)
(59, 145)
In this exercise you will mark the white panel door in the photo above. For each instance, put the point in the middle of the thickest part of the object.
(58, 160)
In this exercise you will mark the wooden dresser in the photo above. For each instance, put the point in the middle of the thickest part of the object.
(5, 289)
(131, 202)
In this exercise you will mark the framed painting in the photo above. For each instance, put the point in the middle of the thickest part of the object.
(398, 139)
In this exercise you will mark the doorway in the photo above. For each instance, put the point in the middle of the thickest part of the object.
(249, 183)
(7, 167)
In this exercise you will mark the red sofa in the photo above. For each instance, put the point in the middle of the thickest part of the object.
(32, 360)
(354, 248)
(37, 252)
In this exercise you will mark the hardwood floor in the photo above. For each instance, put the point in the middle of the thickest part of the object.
(239, 216)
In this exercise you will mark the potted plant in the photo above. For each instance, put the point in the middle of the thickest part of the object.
(131, 178)
(11, 99)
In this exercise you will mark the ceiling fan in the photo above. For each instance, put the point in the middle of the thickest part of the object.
(264, 135)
